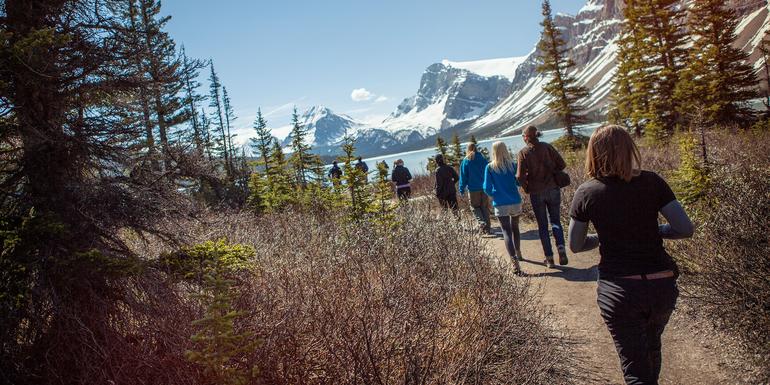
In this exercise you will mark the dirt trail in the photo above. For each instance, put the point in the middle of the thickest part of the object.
(570, 292)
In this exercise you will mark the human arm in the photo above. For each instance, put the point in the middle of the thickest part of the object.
(679, 225)
(463, 176)
(558, 161)
(579, 239)
(521, 171)
(489, 184)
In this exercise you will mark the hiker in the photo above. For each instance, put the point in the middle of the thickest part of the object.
(361, 165)
(637, 288)
(472, 169)
(500, 184)
(401, 177)
(538, 162)
(446, 177)
(335, 174)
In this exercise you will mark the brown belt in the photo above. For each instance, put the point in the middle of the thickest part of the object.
(645, 277)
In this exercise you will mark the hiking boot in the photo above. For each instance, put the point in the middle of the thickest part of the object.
(549, 262)
(563, 260)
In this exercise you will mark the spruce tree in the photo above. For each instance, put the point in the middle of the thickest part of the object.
(262, 143)
(190, 70)
(717, 79)
(457, 151)
(764, 48)
(301, 160)
(355, 180)
(278, 187)
(229, 118)
(218, 118)
(565, 95)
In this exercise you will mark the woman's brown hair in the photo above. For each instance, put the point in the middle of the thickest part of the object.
(470, 153)
(612, 152)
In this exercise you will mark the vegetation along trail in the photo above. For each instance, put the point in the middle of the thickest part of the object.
(570, 293)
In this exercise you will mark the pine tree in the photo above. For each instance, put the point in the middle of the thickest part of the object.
(562, 88)
(218, 118)
(382, 204)
(301, 160)
(261, 144)
(457, 151)
(717, 79)
(355, 180)
(278, 187)
(764, 48)
(442, 149)
(650, 59)
(483, 150)
(208, 146)
(229, 118)
(190, 70)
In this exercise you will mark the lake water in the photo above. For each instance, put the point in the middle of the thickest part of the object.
(417, 161)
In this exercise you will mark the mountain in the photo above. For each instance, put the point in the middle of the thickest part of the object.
(591, 38)
(326, 128)
(489, 98)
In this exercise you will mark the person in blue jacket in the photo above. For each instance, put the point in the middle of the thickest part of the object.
(472, 179)
(501, 185)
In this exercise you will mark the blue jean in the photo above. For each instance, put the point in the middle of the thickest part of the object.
(546, 206)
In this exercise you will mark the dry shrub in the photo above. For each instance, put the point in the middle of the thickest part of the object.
(421, 302)
(727, 264)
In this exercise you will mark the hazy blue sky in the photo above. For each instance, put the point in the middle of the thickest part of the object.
(274, 54)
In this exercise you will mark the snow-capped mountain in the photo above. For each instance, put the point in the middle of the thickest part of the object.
(325, 128)
(591, 38)
(451, 93)
(496, 97)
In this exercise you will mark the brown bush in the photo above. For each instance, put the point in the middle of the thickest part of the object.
(421, 302)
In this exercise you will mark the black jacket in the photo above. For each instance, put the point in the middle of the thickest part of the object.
(401, 175)
(446, 177)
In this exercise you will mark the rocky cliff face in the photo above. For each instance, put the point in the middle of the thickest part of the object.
(591, 38)
(447, 95)
(325, 128)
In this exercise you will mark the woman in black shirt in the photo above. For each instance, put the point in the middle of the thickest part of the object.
(637, 278)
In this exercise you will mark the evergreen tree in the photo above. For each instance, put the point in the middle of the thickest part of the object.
(650, 59)
(717, 79)
(208, 146)
(483, 150)
(441, 148)
(262, 143)
(355, 180)
(764, 48)
(277, 192)
(562, 88)
(229, 118)
(301, 160)
(218, 118)
(190, 70)
(457, 151)
(382, 204)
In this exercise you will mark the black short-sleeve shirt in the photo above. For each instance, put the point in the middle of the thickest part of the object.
(625, 215)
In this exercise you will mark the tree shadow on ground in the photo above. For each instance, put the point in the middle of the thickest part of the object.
(567, 273)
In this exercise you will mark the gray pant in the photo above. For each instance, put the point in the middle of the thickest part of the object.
(480, 206)
(636, 312)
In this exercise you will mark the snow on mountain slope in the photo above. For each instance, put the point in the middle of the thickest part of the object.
(493, 67)
(451, 93)
(325, 128)
(591, 38)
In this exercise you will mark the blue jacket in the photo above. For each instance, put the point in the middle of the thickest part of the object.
(472, 173)
(502, 187)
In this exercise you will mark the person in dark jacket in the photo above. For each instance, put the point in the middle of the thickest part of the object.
(361, 165)
(472, 178)
(446, 178)
(401, 177)
(637, 289)
(537, 163)
(335, 173)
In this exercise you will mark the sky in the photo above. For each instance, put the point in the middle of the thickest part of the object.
(357, 57)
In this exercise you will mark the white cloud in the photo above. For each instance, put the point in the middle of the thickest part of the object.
(381, 99)
(361, 95)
